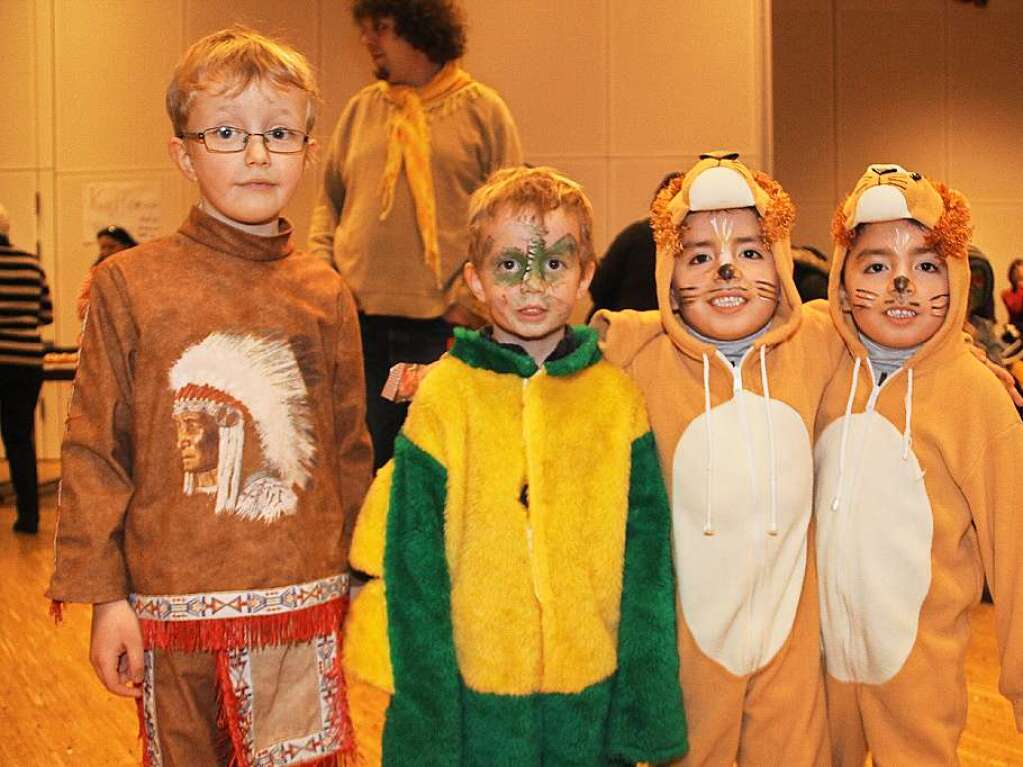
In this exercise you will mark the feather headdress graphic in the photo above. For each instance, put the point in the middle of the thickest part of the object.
(224, 383)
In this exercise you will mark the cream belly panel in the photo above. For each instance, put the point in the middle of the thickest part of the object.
(739, 587)
(873, 550)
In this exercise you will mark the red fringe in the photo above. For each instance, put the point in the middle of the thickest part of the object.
(235, 633)
(57, 611)
(229, 717)
(347, 747)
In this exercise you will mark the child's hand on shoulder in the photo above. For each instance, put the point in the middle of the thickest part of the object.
(116, 651)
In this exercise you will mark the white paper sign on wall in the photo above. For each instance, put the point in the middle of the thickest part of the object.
(134, 205)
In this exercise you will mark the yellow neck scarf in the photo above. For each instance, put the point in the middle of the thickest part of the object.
(408, 141)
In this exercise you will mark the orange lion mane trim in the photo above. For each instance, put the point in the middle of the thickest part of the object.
(776, 223)
(952, 234)
(667, 236)
(780, 216)
(839, 232)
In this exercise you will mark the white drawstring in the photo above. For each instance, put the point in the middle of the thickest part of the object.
(845, 434)
(772, 524)
(708, 523)
(907, 434)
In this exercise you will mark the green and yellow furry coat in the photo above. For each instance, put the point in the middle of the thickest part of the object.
(522, 603)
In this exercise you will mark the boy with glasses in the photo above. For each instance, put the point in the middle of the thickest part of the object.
(215, 450)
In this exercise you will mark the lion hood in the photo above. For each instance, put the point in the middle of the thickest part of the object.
(888, 192)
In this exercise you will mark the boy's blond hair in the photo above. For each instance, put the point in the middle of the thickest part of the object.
(540, 189)
(229, 61)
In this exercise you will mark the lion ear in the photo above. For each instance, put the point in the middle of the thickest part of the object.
(954, 229)
(666, 234)
(779, 218)
(841, 235)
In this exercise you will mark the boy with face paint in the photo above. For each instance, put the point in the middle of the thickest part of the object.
(521, 609)
(917, 495)
(732, 369)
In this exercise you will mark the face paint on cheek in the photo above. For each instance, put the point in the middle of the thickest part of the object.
(501, 267)
(564, 251)
(939, 304)
(766, 290)
(864, 299)
(687, 294)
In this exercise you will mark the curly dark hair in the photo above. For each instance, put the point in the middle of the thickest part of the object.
(435, 27)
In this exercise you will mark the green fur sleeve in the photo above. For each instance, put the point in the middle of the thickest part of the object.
(424, 720)
(647, 722)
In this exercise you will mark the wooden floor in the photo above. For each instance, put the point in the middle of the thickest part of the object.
(54, 713)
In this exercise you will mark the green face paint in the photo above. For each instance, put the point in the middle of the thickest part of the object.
(540, 263)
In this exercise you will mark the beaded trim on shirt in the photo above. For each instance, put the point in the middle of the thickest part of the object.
(217, 605)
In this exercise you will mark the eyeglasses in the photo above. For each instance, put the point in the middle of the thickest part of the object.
(225, 139)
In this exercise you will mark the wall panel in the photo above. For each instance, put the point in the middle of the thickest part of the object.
(19, 148)
(931, 84)
(985, 98)
(550, 63)
(685, 77)
(112, 63)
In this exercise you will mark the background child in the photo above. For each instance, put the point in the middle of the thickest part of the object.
(917, 491)
(521, 533)
(215, 444)
(732, 371)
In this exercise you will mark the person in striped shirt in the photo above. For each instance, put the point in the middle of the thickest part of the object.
(24, 307)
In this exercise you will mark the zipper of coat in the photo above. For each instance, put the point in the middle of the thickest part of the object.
(533, 564)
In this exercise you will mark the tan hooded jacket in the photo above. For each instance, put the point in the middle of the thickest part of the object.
(734, 443)
(918, 492)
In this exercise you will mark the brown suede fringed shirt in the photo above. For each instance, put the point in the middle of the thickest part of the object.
(215, 439)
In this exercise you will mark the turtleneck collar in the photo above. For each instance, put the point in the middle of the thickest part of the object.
(733, 350)
(884, 359)
(215, 234)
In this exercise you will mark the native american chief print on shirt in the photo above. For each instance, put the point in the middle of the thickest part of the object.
(236, 397)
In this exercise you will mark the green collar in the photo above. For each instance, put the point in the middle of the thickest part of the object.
(478, 351)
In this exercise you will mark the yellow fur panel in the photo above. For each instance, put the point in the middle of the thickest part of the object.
(367, 553)
(535, 590)
(367, 652)
(367, 709)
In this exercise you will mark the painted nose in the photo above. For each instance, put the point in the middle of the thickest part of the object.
(901, 283)
(532, 282)
(726, 272)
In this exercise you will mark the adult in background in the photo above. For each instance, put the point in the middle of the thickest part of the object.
(24, 307)
(110, 240)
(406, 154)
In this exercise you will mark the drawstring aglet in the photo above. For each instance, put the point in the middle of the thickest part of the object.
(772, 531)
(709, 531)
